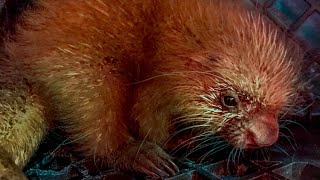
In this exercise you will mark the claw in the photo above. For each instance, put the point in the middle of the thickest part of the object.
(162, 173)
(171, 171)
(175, 167)
(150, 173)
(168, 168)
(151, 160)
(156, 169)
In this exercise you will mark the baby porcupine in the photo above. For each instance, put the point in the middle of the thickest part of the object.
(105, 67)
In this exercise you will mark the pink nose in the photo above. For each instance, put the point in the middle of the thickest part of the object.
(262, 134)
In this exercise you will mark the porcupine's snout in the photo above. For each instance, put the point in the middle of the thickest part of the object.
(263, 131)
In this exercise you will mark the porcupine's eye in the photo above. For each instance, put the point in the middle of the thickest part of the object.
(230, 101)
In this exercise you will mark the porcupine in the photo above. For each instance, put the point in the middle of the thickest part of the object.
(105, 67)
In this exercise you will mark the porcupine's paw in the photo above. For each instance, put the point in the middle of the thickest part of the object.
(147, 158)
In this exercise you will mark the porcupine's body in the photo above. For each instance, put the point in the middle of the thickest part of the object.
(104, 67)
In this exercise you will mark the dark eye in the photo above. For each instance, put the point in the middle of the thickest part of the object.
(230, 101)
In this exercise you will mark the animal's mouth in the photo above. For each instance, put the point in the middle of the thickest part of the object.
(251, 146)
(261, 130)
(251, 139)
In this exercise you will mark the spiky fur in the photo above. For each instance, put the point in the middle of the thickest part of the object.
(106, 67)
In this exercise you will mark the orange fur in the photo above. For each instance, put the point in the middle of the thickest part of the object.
(107, 66)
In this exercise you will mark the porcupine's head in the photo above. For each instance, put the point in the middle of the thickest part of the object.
(256, 84)
(248, 79)
(222, 72)
(255, 81)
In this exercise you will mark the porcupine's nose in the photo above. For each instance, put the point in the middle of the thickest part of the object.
(263, 132)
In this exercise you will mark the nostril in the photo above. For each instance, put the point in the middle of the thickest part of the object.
(257, 140)
(262, 134)
(250, 141)
(251, 146)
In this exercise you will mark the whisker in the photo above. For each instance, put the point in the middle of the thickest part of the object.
(290, 106)
(296, 123)
(234, 156)
(214, 150)
(194, 139)
(294, 140)
(239, 154)
(72, 140)
(203, 136)
(305, 108)
(202, 145)
(229, 158)
(190, 120)
(282, 150)
(287, 138)
(144, 139)
(185, 129)
(264, 152)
